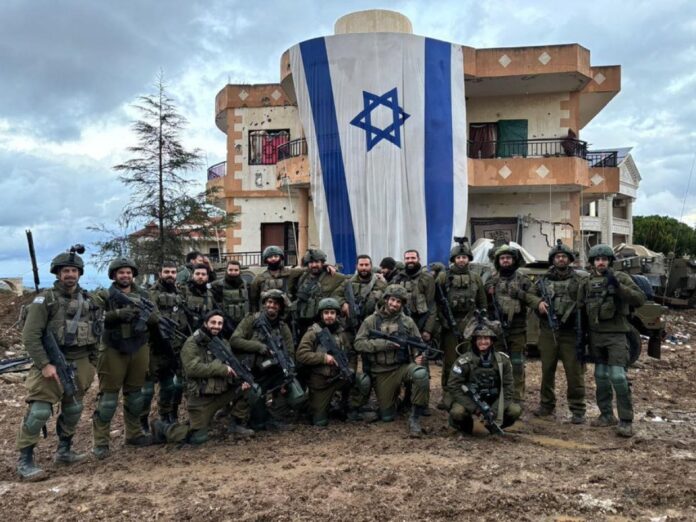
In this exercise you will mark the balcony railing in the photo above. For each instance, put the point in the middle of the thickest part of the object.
(536, 148)
(605, 158)
(254, 258)
(292, 149)
(219, 170)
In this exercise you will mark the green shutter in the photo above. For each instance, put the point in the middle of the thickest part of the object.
(512, 131)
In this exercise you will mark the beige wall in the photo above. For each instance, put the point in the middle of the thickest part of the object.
(261, 210)
(543, 111)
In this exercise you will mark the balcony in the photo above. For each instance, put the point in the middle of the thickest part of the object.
(536, 148)
(217, 171)
(292, 169)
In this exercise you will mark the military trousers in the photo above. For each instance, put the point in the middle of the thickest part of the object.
(164, 369)
(461, 415)
(49, 392)
(516, 347)
(610, 352)
(450, 344)
(120, 371)
(550, 352)
(388, 386)
(201, 410)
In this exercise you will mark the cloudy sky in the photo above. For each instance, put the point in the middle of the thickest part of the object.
(71, 69)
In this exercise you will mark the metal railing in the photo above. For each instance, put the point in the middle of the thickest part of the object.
(539, 148)
(292, 149)
(254, 258)
(219, 170)
(263, 146)
(605, 158)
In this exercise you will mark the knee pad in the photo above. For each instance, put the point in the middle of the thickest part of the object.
(513, 411)
(296, 395)
(458, 412)
(419, 375)
(387, 415)
(617, 374)
(363, 383)
(198, 437)
(148, 389)
(320, 420)
(133, 403)
(517, 358)
(601, 372)
(106, 407)
(37, 417)
(70, 414)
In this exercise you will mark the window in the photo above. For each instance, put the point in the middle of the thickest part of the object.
(263, 145)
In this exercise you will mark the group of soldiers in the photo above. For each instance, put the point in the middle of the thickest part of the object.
(310, 342)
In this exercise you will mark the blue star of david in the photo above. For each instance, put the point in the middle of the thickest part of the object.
(374, 134)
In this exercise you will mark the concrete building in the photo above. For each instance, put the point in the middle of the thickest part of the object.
(531, 178)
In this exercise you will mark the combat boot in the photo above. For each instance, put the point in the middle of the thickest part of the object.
(144, 424)
(543, 411)
(414, 427)
(625, 429)
(65, 454)
(604, 421)
(236, 429)
(26, 469)
(101, 452)
(277, 425)
(140, 441)
(159, 430)
(577, 418)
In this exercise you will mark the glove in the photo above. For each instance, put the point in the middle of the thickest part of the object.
(612, 281)
(262, 349)
(126, 315)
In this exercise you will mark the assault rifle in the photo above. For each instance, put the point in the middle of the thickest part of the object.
(145, 308)
(278, 353)
(328, 343)
(9, 365)
(404, 343)
(65, 371)
(551, 316)
(354, 310)
(447, 312)
(224, 354)
(484, 409)
(501, 319)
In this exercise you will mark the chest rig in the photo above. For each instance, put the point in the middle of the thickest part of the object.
(74, 320)
(235, 301)
(308, 295)
(461, 293)
(600, 300)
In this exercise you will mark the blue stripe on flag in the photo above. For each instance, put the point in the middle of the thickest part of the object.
(318, 78)
(439, 167)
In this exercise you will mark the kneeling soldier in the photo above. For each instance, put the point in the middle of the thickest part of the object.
(67, 315)
(324, 348)
(487, 373)
(390, 364)
(211, 385)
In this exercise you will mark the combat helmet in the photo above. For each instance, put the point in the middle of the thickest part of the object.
(272, 251)
(122, 262)
(276, 294)
(69, 259)
(313, 254)
(397, 291)
(462, 248)
(601, 251)
(507, 249)
(328, 303)
(560, 248)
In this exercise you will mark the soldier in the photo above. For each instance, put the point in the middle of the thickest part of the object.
(211, 385)
(560, 288)
(420, 289)
(387, 267)
(66, 312)
(314, 285)
(184, 273)
(464, 293)
(388, 369)
(232, 296)
(487, 372)
(124, 357)
(165, 365)
(251, 341)
(325, 378)
(275, 277)
(368, 289)
(606, 297)
(508, 293)
(197, 298)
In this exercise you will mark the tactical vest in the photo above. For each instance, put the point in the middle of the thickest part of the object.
(461, 293)
(74, 321)
(366, 297)
(198, 306)
(308, 296)
(123, 336)
(325, 371)
(485, 379)
(206, 385)
(504, 290)
(268, 282)
(235, 302)
(417, 300)
(563, 293)
(600, 300)
(388, 357)
(169, 305)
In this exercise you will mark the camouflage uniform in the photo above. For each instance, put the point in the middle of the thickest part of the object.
(276, 277)
(233, 299)
(420, 305)
(197, 301)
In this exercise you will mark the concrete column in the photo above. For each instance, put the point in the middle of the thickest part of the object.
(303, 221)
(608, 222)
(629, 217)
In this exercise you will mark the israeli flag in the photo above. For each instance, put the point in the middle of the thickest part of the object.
(384, 116)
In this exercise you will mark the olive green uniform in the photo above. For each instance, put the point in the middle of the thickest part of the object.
(420, 307)
(283, 279)
(250, 343)
(563, 289)
(387, 371)
(209, 388)
(510, 294)
(323, 379)
(197, 302)
(368, 295)
(607, 308)
(465, 294)
(491, 377)
(311, 289)
(165, 364)
(124, 358)
(73, 319)
(233, 298)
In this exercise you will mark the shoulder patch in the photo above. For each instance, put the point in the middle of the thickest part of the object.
(457, 369)
(39, 299)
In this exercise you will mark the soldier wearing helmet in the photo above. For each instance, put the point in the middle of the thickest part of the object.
(388, 368)
(252, 344)
(315, 284)
(125, 358)
(464, 292)
(508, 299)
(605, 299)
(325, 378)
(72, 317)
(486, 371)
(276, 276)
(197, 296)
(557, 293)
(420, 288)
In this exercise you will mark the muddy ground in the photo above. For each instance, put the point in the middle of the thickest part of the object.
(542, 470)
